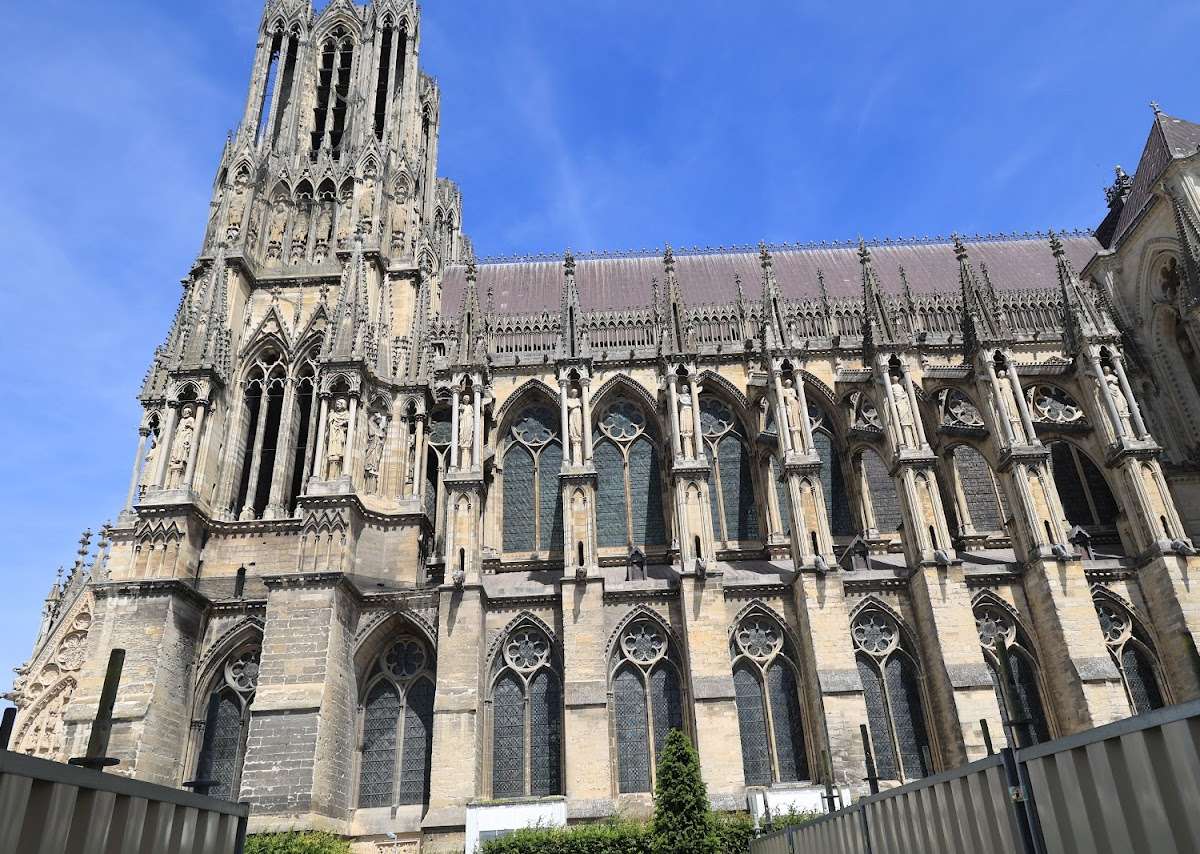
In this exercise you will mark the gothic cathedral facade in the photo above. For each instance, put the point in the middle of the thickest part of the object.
(417, 546)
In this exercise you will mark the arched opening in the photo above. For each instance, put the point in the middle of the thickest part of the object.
(1132, 650)
(532, 498)
(878, 492)
(1086, 498)
(734, 508)
(629, 509)
(227, 722)
(994, 622)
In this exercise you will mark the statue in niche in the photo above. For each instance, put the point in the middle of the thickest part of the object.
(575, 425)
(150, 463)
(791, 408)
(373, 459)
(1012, 410)
(276, 226)
(339, 431)
(635, 565)
(1111, 386)
(904, 413)
(343, 216)
(181, 448)
(687, 426)
(397, 243)
(237, 205)
(366, 200)
(300, 230)
(466, 432)
(324, 227)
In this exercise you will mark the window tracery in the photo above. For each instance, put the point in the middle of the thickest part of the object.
(731, 492)
(629, 482)
(533, 517)
(647, 701)
(1133, 652)
(223, 748)
(892, 690)
(1050, 404)
(766, 691)
(958, 410)
(994, 622)
(526, 711)
(396, 744)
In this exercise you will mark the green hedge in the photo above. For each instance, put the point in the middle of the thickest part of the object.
(614, 837)
(306, 842)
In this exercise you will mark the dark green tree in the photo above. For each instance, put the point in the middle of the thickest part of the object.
(683, 823)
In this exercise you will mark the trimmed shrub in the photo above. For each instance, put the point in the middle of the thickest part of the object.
(682, 822)
(734, 831)
(301, 842)
(610, 837)
(795, 818)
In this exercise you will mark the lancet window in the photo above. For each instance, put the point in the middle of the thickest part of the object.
(981, 500)
(893, 692)
(396, 745)
(629, 481)
(526, 716)
(731, 489)
(533, 517)
(766, 688)
(227, 720)
(994, 622)
(440, 434)
(263, 396)
(277, 86)
(647, 701)
(1082, 489)
(1133, 652)
(878, 491)
(333, 91)
(833, 482)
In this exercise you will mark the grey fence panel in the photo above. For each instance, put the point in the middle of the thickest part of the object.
(51, 808)
(1131, 786)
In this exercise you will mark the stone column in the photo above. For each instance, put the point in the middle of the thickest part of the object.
(1135, 411)
(300, 751)
(255, 460)
(348, 466)
(166, 438)
(316, 464)
(477, 432)
(564, 428)
(285, 453)
(1002, 416)
(197, 437)
(1110, 408)
(143, 434)
(1019, 396)
(781, 416)
(456, 401)
(585, 393)
(673, 397)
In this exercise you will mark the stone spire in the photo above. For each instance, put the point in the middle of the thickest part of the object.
(771, 316)
(205, 342)
(570, 321)
(1188, 233)
(826, 309)
(879, 327)
(982, 322)
(674, 309)
(351, 333)
(1083, 320)
(471, 342)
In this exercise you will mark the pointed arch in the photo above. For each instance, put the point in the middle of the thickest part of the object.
(732, 393)
(1133, 650)
(612, 388)
(246, 631)
(1084, 492)
(522, 617)
(529, 390)
(997, 619)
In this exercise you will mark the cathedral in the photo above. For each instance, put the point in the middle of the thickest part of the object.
(420, 548)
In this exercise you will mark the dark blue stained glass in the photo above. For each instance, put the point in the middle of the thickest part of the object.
(737, 489)
(418, 743)
(878, 720)
(752, 725)
(629, 711)
(381, 715)
(788, 722)
(979, 488)
(833, 484)
(1071, 491)
(1028, 696)
(1102, 497)
(431, 475)
(908, 715)
(783, 496)
(884, 500)
(666, 704)
(645, 494)
(518, 500)
(508, 738)
(220, 755)
(714, 490)
(610, 493)
(550, 509)
(545, 735)
(1138, 671)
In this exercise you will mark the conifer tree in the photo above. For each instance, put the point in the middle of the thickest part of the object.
(683, 823)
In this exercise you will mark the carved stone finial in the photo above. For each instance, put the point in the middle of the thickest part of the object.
(1157, 109)
(472, 271)
(1056, 245)
(960, 248)
(569, 263)
(669, 258)
(764, 256)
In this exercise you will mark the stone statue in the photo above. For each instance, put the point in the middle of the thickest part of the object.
(687, 426)
(181, 448)
(343, 216)
(791, 407)
(466, 432)
(339, 431)
(324, 221)
(904, 413)
(150, 463)
(237, 205)
(1012, 411)
(575, 425)
(376, 432)
(366, 200)
(300, 231)
(276, 227)
(1112, 387)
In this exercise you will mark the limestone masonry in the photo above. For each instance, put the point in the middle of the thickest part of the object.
(419, 548)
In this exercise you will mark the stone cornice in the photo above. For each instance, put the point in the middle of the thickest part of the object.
(147, 588)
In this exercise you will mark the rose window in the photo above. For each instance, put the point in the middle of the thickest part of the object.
(440, 428)
(1053, 404)
(242, 672)
(958, 410)
(406, 658)
(874, 633)
(759, 639)
(534, 427)
(623, 420)
(1113, 623)
(866, 416)
(715, 417)
(70, 654)
(526, 650)
(992, 623)
(643, 643)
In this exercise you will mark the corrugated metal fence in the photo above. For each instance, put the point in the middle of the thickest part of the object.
(1126, 788)
(51, 808)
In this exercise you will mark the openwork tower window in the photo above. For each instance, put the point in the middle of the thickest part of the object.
(533, 518)
(397, 726)
(647, 701)
(526, 710)
(226, 722)
(994, 622)
(766, 686)
(1133, 651)
(629, 481)
(892, 690)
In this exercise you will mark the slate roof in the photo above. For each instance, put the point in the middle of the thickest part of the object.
(1170, 139)
(707, 276)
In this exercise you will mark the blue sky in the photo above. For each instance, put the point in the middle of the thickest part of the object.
(594, 125)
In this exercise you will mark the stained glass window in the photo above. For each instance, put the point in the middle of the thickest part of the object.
(629, 480)
(532, 498)
(633, 760)
(222, 749)
(833, 484)
(1140, 679)
(645, 494)
(665, 703)
(995, 623)
(647, 701)
(878, 719)
(527, 713)
(1132, 650)
(783, 497)
(550, 510)
(908, 718)
(1082, 489)
(731, 487)
(418, 743)
(518, 499)
(884, 500)
(979, 489)
(380, 713)
(545, 735)
(752, 725)
(610, 489)
(508, 738)
(785, 712)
